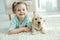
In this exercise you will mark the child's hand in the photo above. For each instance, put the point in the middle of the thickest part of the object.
(26, 29)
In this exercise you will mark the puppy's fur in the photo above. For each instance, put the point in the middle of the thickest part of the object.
(38, 23)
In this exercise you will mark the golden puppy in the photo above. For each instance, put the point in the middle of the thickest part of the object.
(38, 23)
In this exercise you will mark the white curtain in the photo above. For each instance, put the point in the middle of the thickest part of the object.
(51, 5)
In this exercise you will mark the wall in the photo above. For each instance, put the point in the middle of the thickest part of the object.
(2, 7)
(58, 4)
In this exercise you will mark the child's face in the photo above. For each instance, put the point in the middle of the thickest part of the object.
(21, 10)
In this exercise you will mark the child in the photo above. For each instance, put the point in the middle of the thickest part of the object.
(20, 22)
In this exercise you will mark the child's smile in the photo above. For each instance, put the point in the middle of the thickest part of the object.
(21, 14)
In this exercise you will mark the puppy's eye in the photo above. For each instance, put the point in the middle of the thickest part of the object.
(40, 18)
(35, 18)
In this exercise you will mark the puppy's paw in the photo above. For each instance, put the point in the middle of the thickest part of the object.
(43, 32)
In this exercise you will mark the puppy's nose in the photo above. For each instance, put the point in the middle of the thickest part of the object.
(38, 22)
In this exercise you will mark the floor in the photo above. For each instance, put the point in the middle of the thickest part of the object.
(52, 26)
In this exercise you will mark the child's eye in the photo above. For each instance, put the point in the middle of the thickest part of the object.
(23, 9)
(35, 18)
(18, 10)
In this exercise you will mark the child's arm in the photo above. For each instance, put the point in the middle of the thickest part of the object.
(16, 31)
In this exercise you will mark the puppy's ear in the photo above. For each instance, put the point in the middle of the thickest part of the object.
(35, 13)
(44, 20)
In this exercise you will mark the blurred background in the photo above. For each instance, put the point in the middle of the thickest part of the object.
(44, 7)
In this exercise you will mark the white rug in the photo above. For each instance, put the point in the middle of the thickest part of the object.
(50, 35)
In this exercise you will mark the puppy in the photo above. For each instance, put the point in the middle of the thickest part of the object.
(38, 24)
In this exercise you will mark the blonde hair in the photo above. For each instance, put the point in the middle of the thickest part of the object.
(17, 3)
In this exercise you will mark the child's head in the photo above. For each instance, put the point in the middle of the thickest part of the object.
(20, 9)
